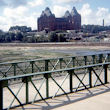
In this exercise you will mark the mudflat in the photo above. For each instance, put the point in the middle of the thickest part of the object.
(26, 51)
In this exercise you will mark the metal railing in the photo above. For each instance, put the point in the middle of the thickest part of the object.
(73, 79)
(40, 65)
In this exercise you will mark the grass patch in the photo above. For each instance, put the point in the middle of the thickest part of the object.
(20, 54)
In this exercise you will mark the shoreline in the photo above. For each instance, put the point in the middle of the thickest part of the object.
(56, 44)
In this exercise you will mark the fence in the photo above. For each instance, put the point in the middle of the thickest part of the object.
(42, 85)
(40, 65)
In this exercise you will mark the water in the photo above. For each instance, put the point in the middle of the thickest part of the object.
(82, 52)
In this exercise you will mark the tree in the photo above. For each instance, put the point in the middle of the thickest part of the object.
(61, 38)
(12, 36)
(19, 36)
(53, 37)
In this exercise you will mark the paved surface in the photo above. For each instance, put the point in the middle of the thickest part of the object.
(97, 98)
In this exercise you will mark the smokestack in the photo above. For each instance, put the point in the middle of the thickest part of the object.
(103, 22)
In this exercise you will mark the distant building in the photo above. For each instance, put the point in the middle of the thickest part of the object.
(70, 21)
(20, 29)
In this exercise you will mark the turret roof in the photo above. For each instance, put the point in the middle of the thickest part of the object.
(47, 12)
(74, 12)
(67, 14)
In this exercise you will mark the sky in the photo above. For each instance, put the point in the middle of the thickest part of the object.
(26, 12)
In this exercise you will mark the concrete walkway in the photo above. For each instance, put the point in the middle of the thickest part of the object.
(97, 98)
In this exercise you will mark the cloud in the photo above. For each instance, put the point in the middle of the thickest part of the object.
(59, 11)
(67, 1)
(36, 3)
(11, 17)
(86, 10)
(16, 3)
(103, 13)
(18, 16)
(3, 23)
(89, 16)
(2, 3)
(16, 12)
(13, 3)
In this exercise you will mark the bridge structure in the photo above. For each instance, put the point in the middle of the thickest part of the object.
(29, 81)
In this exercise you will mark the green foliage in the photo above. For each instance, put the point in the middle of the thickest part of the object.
(56, 36)
(19, 36)
(42, 38)
(61, 38)
(53, 37)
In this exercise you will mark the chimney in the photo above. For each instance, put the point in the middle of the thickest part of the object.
(103, 22)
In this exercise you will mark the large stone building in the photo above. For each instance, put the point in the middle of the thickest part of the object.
(70, 21)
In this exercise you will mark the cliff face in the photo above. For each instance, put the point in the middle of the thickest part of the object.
(70, 21)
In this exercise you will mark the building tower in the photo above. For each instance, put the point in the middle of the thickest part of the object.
(76, 19)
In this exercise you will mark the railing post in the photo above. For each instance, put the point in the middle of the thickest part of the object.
(32, 65)
(26, 80)
(71, 80)
(27, 91)
(100, 58)
(46, 65)
(85, 60)
(93, 59)
(60, 62)
(47, 84)
(90, 77)
(1, 96)
(105, 74)
(14, 65)
(73, 60)
(47, 78)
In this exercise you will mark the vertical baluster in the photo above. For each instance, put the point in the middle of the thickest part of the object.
(100, 58)
(47, 78)
(27, 90)
(32, 65)
(14, 65)
(85, 60)
(1, 96)
(61, 59)
(105, 74)
(70, 81)
(90, 77)
(73, 60)
(93, 59)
